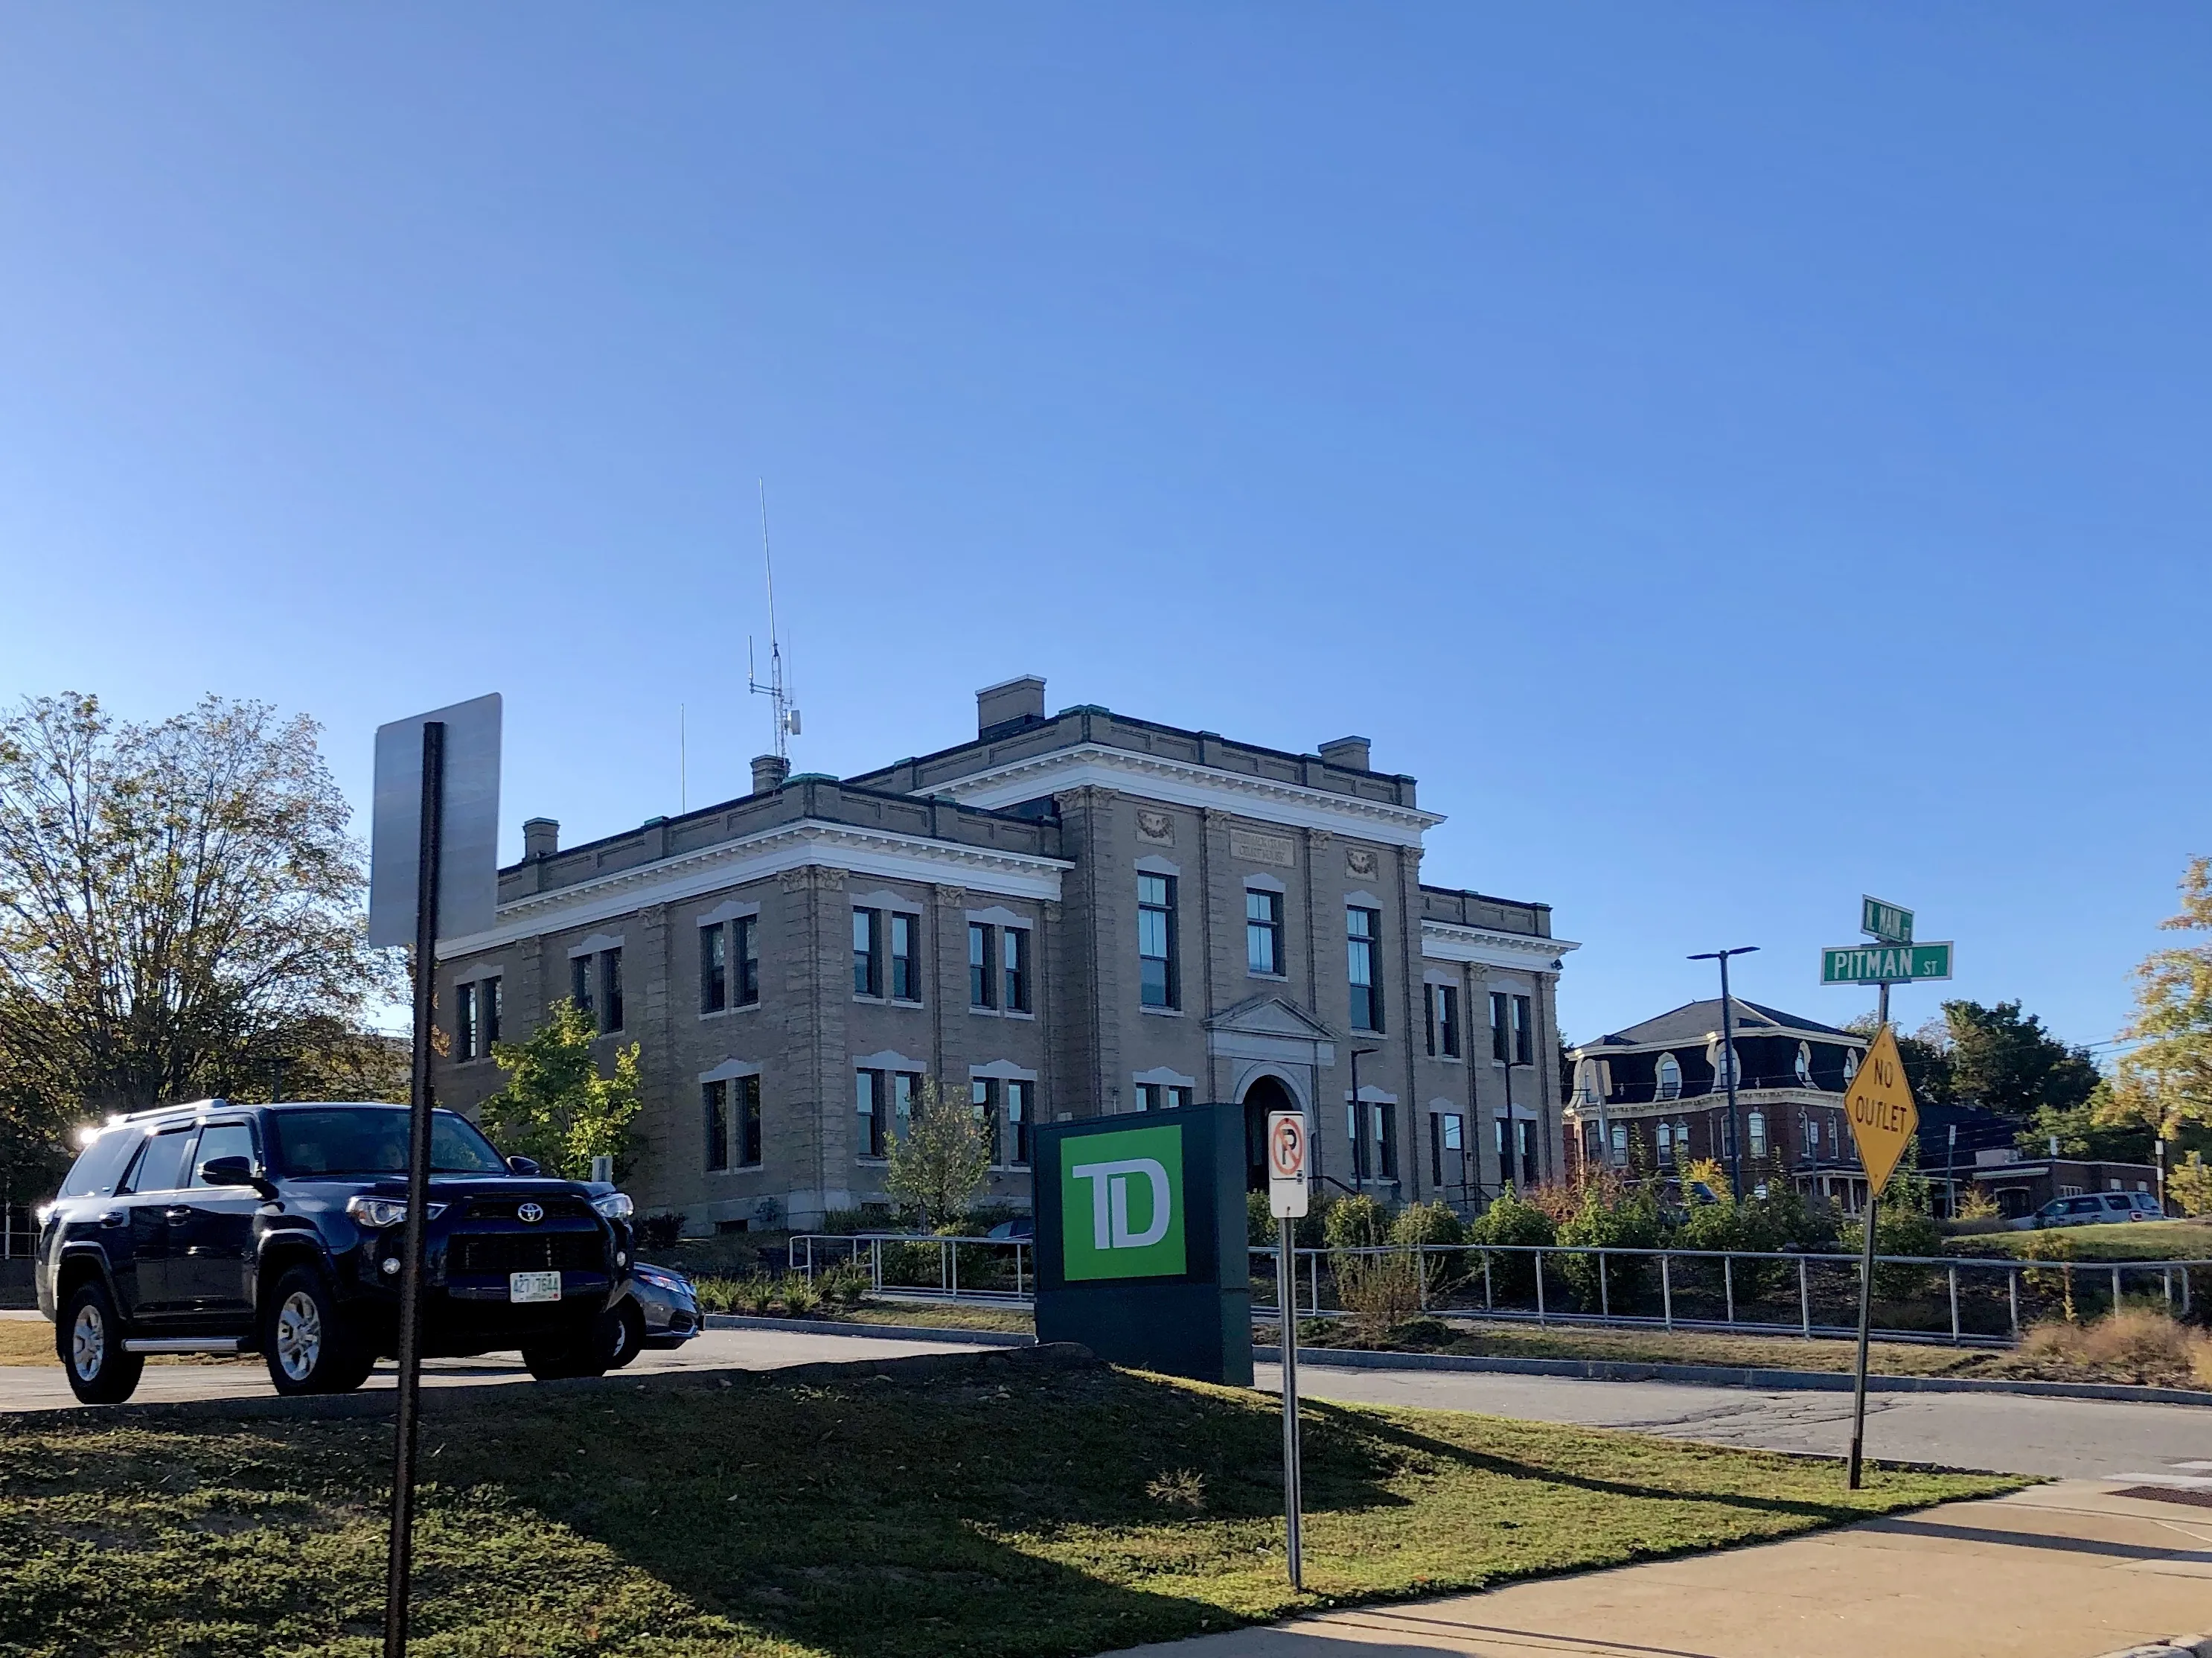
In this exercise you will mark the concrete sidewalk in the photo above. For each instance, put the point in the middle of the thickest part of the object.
(2068, 1571)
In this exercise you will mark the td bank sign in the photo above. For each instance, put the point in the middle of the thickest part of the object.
(1122, 1203)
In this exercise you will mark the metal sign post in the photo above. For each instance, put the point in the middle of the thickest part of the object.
(1288, 1193)
(1883, 1119)
(412, 901)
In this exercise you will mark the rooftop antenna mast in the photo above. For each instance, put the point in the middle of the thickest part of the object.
(777, 693)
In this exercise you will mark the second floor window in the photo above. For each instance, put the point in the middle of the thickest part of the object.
(595, 985)
(729, 965)
(1362, 929)
(1501, 1025)
(1443, 1021)
(1525, 1031)
(1014, 953)
(1754, 1125)
(906, 958)
(714, 969)
(983, 985)
(1156, 940)
(1670, 1077)
(868, 952)
(466, 1036)
(1263, 932)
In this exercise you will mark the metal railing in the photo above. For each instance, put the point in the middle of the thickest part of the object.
(1965, 1299)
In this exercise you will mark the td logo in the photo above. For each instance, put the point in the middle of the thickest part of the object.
(1120, 1202)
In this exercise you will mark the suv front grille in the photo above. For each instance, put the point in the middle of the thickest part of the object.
(526, 1251)
(503, 1209)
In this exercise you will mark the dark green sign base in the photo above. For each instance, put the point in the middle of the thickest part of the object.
(1196, 1322)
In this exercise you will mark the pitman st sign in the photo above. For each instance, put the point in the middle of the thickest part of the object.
(1884, 964)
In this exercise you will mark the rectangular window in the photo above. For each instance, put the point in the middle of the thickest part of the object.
(985, 1092)
(611, 990)
(713, 968)
(1446, 999)
(906, 1091)
(1161, 1096)
(716, 1098)
(1446, 1168)
(1355, 1130)
(906, 958)
(1156, 941)
(983, 985)
(1362, 929)
(488, 1011)
(464, 1023)
(1386, 1137)
(1755, 1127)
(1014, 948)
(746, 1100)
(867, 952)
(1021, 1101)
(1501, 1027)
(1524, 1032)
(745, 958)
(1620, 1145)
(1263, 932)
(870, 1096)
(580, 982)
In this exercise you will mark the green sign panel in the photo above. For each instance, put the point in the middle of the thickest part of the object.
(1121, 1216)
(1884, 964)
(1891, 922)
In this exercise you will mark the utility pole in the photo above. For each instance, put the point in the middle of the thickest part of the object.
(1727, 1060)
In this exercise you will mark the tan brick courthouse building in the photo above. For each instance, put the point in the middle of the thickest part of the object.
(1066, 916)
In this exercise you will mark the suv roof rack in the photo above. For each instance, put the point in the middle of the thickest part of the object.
(215, 1104)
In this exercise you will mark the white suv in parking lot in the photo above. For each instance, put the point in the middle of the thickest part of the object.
(2098, 1209)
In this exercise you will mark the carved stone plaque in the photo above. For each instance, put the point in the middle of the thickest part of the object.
(1255, 848)
(1155, 826)
(1361, 860)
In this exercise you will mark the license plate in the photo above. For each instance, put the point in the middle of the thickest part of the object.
(533, 1286)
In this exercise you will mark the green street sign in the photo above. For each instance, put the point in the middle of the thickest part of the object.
(1884, 964)
(1890, 923)
(1119, 1214)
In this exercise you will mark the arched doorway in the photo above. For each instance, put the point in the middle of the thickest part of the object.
(1267, 1094)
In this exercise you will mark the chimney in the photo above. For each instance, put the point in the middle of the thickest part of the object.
(1003, 709)
(1350, 753)
(541, 838)
(769, 772)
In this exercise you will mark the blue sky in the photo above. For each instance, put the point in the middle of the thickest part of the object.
(1735, 456)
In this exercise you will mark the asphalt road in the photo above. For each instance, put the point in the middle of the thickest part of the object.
(2014, 1433)
(2011, 1433)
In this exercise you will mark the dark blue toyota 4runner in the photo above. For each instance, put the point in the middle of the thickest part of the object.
(278, 1229)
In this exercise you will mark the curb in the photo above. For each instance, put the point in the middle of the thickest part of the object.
(460, 1397)
(887, 1331)
(2182, 1646)
(1718, 1376)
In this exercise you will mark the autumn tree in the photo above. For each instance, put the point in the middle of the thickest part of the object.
(2164, 1083)
(180, 912)
(937, 1166)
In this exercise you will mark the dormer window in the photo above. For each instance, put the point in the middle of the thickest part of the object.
(1804, 1065)
(1850, 1066)
(1670, 1077)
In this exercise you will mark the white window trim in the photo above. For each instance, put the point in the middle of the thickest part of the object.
(998, 916)
(1267, 884)
(595, 943)
(729, 1071)
(1372, 1095)
(1159, 866)
(1163, 1077)
(1362, 900)
(889, 1059)
(882, 899)
(730, 909)
(1004, 1070)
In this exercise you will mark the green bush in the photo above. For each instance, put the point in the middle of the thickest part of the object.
(1427, 1223)
(1608, 1219)
(1358, 1222)
(1898, 1231)
(1259, 1224)
(843, 1286)
(1510, 1220)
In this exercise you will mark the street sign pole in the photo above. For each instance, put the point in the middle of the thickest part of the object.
(429, 853)
(1290, 1193)
(1879, 1106)
(1866, 1318)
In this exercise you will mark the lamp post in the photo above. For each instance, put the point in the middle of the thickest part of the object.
(1360, 1163)
(1727, 1061)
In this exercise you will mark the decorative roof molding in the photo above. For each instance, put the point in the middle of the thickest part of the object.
(876, 853)
(1095, 766)
(1447, 941)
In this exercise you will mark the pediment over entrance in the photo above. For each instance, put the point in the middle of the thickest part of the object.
(1271, 1026)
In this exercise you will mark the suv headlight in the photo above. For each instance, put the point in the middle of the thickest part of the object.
(377, 1213)
(615, 1205)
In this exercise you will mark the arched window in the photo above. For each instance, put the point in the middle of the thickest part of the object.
(1850, 1066)
(1682, 1139)
(1586, 1082)
(1755, 1130)
(1620, 1145)
(1670, 1077)
(1804, 1065)
(1666, 1143)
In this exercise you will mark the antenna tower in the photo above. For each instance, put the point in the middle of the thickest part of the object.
(776, 690)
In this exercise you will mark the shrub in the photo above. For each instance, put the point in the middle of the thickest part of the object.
(1259, 1224)
(1380, 1291)
(2051, 1246)
(2137, 1341)
(1358, 1222)
(1427, 1223)
(845, 1285)
(1511, 1219)
(1898, 1231)
(659, 1231)
(800, 1299)
(1607, 1218)
(1976, 1204)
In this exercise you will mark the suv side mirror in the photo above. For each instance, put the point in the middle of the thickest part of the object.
(516, 1166)
(227, 1171)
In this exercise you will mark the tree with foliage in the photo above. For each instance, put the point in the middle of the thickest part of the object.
(557, 1108)
(2164, 1083)
(181, 912)
(938, 1164)
(1996, 1057)
(2191, 1185)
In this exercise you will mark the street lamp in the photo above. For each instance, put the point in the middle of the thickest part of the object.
(1727, 1061)
(1359, 1164)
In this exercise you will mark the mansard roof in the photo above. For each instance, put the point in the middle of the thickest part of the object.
(1693, 1023)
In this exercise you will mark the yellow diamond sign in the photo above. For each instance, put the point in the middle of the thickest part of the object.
(1879, 1105)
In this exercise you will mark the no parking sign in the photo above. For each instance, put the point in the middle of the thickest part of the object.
(1289, 1186)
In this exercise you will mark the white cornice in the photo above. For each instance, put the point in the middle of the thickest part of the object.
(1449, 941)
(874, 852)
(1095, 765)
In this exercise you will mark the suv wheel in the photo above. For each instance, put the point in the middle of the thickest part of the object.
(306, 1339)
(88, 1339)
(621, 1334)
(581, 1355)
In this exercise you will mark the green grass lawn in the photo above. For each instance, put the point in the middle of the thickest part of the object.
(995, 1508)
(2127, 1240)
